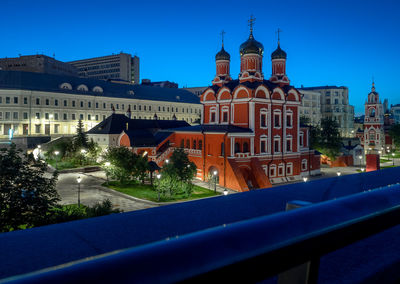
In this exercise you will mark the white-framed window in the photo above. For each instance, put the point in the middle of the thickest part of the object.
(289, 119)
(263, 118)
(277, 118)
(301, 138)
(281, 168)
(225, 114)
(213, 115)
(289, 143)
(277, 144)
(272, 171)
(263, 144)
(304, 165)
(289, 169)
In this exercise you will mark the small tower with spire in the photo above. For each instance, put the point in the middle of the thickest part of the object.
(222, 62)
(374, 134)
(251, 54)
(278, 58)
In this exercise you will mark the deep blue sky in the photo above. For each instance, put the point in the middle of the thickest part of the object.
(327, 42)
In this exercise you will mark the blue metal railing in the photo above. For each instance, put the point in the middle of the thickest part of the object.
(246, 251)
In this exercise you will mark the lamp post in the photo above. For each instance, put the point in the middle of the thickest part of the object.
(107, 164)
(56, 153)
(158, 187)
(225, 192)
(393, 157)
(338, 174)
(305, 179)
(79, 190)
(215, 181)
(360, 157)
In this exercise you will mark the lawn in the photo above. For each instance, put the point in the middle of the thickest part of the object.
(147, 192)
(66, 164)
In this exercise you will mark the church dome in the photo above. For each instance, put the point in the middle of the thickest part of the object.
(251, 46)
(278, 53)
(222, 55)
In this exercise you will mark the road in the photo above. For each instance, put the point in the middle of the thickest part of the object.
(91, 192)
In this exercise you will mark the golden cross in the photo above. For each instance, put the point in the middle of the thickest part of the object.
(251, 23)
(222, 36)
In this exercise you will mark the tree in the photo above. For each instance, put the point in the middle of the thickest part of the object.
(177, 175)
(394, 133)
(326, 138)
(122, 163)
(80, 139)
(26, 195)
(304, 120)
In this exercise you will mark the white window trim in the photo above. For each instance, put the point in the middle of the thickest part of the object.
(277, 112)
(264, 111)
(289, 169)
(289, 138)
(223, 110)
(301, 139)
(213, 110)
(265, 139)
(304, 162)
(272, 171)
(277, 138)
(289, 114)
(281, 166)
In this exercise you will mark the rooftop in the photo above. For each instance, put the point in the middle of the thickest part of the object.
(20, 80)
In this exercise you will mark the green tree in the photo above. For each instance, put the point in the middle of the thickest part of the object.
(122, 163)
(177, 175)
(304, 120)
(394, 133)
(80, 139)
(326, 138)
(26, 195)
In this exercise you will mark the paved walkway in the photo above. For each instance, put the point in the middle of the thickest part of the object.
(92, 192)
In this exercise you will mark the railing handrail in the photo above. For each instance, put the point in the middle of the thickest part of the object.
(245, 250)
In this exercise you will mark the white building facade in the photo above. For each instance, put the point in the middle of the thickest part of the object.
(33, 104)
(311, 106)
(335, 105)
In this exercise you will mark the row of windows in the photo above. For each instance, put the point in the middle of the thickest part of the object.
(97, 105)
(195, 144)
(95, 67)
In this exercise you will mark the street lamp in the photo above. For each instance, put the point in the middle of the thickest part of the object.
(167, 161)
(158, 187)
(338, 174)
(305, 179)
(215, 181)
(225, 192)
(79, 190)
(393, 157)
(360, 157)
(362, 169)
(107, 164)
(56, 153)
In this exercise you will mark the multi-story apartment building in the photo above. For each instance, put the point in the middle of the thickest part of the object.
(120, 66)
(395, 110)
(37, 63)
(335, 105)
(310, 106)
(34, 104)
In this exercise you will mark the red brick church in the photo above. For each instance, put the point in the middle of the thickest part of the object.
(250, 134)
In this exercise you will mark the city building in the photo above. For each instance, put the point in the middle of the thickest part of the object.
(162, 84)
(34, 104)
(147, 133)
(250, 136)
(395, 110)
(37, 63)
(310, 108)
(335, 105)
(374, 133)
(120, 66)
(196, 90)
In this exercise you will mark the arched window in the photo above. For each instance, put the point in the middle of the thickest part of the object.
(200, 145)
(245, 147)
(372, 112)
(237, 147)
(187, 143)
(194, 144)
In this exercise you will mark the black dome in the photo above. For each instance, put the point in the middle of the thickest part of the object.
(251, 46)
(222, 55)
(278, 53)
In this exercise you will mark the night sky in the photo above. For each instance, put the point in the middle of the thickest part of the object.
(343, 43)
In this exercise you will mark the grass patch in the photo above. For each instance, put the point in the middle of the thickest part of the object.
(385, 160)
(144, 191)
(66, 164)
(388, 167)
